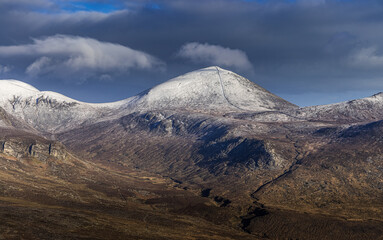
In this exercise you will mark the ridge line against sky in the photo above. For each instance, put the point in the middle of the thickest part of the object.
(307, 51)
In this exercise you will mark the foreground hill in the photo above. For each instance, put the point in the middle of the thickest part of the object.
(49, 193)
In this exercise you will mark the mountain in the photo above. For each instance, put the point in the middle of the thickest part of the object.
(208, 148)
(359, 110)
(49, 111)
(210, 89)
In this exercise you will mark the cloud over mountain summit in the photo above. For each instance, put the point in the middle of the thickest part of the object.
(215, 55)
(78, 55)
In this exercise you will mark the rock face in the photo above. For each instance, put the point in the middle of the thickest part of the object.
(23, 145)
(251, 153)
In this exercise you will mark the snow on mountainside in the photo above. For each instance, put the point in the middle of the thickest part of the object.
(48, 111)
(8, 88)
(359, 110)
(210, 89)
(207, 90)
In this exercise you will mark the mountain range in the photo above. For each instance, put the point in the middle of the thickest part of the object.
(206, 155)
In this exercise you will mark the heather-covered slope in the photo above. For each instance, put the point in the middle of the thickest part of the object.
(49, 193)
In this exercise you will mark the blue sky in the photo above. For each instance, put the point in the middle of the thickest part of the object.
(307, 51)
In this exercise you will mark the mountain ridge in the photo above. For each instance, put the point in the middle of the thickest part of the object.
(27, 90)
(210, 90)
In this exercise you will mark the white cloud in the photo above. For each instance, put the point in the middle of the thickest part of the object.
(106, 78)
(38, 66)
(68, 55)
(367, 58)
(4, 69)
(215, 55)
(80, 16)
(52, 20)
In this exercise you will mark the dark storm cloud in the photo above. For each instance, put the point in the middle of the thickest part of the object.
(302, 46)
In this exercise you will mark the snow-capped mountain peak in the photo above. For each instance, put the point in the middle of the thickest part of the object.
(49, 111)
(10, 87)
(209, 89)
(14, 90)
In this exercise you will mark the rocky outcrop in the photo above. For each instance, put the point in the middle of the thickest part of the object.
(173, 123)
(248, 153)
(25, 148)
